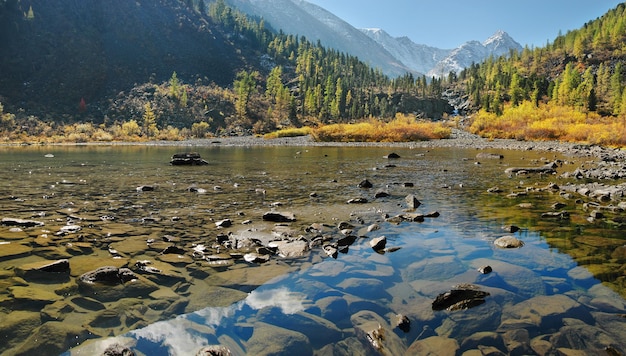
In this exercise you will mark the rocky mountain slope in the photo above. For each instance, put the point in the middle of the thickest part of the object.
(309, 20)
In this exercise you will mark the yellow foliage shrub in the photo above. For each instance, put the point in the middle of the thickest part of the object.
(402, 129)
(550, 122)
(289, 132)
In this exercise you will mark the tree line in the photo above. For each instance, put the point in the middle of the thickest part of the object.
(582, 69)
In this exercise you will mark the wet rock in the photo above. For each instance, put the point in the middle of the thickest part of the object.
(330, 251)
(485, 269)
(106, 318)
(333, 308)
(53, 338)
(543, 313)
(402, 322)
(224, 223)
(344, 225)
(107, 275)
(510, 228)
(517, 342)
(434, 345)
(319, 330)
(487, 155)
(187, 159)
(373, 227)
(88, 303)
(279, 216)
(56, 311)
(412, 201)
(268, 339)
(214, 350)
(34, 297)
(484, 339)
(495, 190)
(374, 331)
(52, 270)
(21, 222)
(508, 242)
(160, 273)
(365, 287)
(563, 215)
(440, 267)
(291, 249)
(346, 240)
(256, 258)
(145, 188)
(381, 194)
(462, 297)
(546, 169)
(365, 184)
(580, 336)
(357, 201)
(392, 156)
(16, 327)
(118, 350)
(69, 229)
(378, 243)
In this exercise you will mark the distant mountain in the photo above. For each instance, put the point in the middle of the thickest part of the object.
(437, 62)
(475, 52)
(305, 19)
(420, 58)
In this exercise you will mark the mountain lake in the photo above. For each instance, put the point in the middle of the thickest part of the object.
(302, 250)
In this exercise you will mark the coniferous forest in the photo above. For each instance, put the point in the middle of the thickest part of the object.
(246, 77)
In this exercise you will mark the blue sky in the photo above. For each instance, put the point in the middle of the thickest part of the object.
(449, 23)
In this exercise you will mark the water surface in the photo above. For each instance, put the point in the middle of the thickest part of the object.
(316, 303)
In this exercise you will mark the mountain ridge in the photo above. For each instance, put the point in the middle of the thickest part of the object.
(393, 56)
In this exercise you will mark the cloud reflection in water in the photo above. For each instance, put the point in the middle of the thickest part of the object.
(186, 334)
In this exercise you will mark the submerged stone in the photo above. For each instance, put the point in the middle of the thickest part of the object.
(508, 242)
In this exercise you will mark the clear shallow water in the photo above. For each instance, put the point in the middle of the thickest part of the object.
(326, 305)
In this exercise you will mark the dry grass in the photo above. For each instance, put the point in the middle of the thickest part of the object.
(402, 129)
(289, 132)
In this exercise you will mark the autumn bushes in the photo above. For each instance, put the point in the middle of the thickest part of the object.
(403, 128)
(550, 122)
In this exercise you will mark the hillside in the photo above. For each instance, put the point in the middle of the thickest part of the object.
(68, 50)
(173, 69)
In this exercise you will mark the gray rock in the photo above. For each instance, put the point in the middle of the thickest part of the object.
(21, 222)
(273, 340)
(279, 216)
(434, 345)
(214, 350)
(378, 243)
(365, 184)
(224, 223)
(357, 201)
(374, 331)
(508, 242)
(118, 350)
(463, 297)
(487, 155)
(59, 269)
(543, 313)
(412, 201)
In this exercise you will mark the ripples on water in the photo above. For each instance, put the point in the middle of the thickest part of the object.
(329, 305)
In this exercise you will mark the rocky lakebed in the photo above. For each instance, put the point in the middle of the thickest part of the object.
(88, 255)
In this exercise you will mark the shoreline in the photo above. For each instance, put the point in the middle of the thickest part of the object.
(459, 139)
